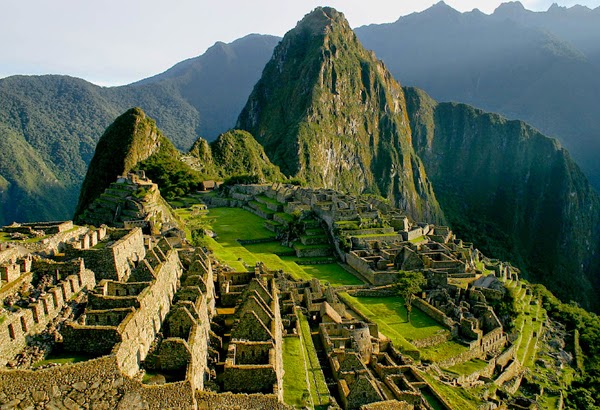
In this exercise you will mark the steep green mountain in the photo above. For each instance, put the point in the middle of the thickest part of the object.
(133, 142)
(515, 193)
(129, 140)
(234, 153)
(61, 119)
(537, 67)
(28, 183)
(327, 111)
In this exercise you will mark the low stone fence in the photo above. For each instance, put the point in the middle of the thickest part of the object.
(313, 252)
(432, 340)
(253, 241)
(462, 358)
(434, 313)
(231, 401)
(94, 384)
(383, 291)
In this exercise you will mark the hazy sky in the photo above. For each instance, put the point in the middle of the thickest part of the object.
(111, 42)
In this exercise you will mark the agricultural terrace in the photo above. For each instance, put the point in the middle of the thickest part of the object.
(390, 314)
(232, 225)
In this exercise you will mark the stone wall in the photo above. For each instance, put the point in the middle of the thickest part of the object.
(137, 331)
(432, 340)
(55, 243)
(313, 252)
(434, 313)
(96, 384)
(475, 353)
(117, 260)
(17, 326)
(231, 401)
(362, 242)
(513, 369)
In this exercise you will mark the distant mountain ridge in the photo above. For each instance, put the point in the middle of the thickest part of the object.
(540, 67)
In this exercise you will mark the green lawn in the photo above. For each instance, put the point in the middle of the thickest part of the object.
(231, 224)
(332, 273)
(61, 358)
(442, 351)
(390, 312)
(318, 387)
(295, 390)
(469, 367)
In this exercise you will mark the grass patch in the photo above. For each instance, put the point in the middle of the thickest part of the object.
(318, 387)
(62, 358)
(295, 389)
(260, 206)
(418, 239)
(469, 367)
(392, 312)
(442, 351)
(265, 199)
(267, 247)
(235, 223)
(299, 245)
(286, 217)
(458, 397)
(332, 273)
(231, 224)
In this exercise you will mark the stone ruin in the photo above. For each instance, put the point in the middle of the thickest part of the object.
(378, 242)
(133, 200)
(162, 325)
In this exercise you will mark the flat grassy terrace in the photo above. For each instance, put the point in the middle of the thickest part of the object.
(390, 314)
(295, 390)
(62, 358)
(231, 224)
(469, 367)
(303, 374)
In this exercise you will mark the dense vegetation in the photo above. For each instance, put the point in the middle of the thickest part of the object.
(327, 111)
(513, 192)
(233, 154)
(174, 177)
(584, 392)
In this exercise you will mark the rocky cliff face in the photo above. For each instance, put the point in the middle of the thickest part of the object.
(327, 111)
(514, 192)
(130, 139)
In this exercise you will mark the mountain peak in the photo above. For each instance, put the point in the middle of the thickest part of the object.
(320, 20)
(328, 112)
(511, 9)
(130, 139)
(441, 8)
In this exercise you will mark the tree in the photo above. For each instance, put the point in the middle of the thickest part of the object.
(407, 285)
